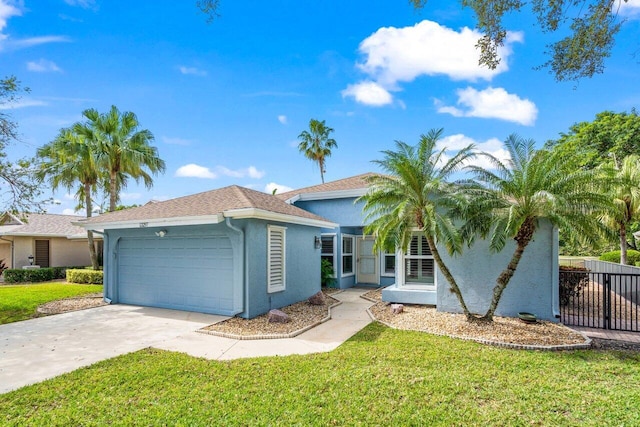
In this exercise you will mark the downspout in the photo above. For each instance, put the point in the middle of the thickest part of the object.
(104, 244)
(245, 258)
(12, 257)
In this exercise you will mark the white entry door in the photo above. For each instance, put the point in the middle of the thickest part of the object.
(367, 261)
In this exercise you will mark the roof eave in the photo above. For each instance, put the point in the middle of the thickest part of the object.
(275, 216)
(325, 195)
(155, 222)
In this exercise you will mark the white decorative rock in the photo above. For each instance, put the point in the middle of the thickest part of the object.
(397, 308)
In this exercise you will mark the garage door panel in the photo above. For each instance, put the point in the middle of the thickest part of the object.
(183, 273)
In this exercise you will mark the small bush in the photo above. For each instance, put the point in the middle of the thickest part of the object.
(84, 276)
(19, 275)
(633, 257)
(572, 281)
(326, 273)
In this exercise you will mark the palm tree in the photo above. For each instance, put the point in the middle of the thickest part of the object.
(535, 185)
(316, 145)
(415, 193)
(625, 194)
(67, 161)
(122, 149)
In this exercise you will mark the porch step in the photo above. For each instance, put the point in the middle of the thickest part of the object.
(409, 296)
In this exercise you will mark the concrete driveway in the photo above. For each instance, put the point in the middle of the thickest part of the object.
(35, 350)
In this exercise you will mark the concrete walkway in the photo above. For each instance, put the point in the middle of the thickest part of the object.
(605, 334)
(34, 350)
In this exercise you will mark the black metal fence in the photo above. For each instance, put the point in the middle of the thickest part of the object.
(600, 300)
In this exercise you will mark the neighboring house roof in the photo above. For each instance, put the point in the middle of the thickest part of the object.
(41, 225)
(354, 186)
(207, 208)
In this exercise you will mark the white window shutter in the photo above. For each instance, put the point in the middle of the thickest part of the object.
(276, 265)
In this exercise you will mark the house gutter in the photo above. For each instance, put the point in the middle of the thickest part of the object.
(12, 257)
(245, 258)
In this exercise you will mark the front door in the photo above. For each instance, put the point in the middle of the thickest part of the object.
(367, 261)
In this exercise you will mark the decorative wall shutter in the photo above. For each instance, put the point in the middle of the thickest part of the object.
(276, 266)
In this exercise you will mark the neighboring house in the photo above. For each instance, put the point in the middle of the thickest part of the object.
(52, 240)
(230, 251)
(412, 277)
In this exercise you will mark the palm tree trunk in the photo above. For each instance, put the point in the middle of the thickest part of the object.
(623, 244)
(447, 274)
(92, 246)
(113, 192)
(524, 236)
(321, 164)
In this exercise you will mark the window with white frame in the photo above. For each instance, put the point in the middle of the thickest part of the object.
(419, 266)
(328, 250)
(347, 255)
(276, 262)
(388, 264)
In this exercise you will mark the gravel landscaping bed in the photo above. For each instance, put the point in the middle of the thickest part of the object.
(302, 315)
(72, 304)
(504, 331)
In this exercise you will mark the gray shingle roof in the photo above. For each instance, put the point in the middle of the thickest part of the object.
(351, 183)
(41, 225)
(208, 203)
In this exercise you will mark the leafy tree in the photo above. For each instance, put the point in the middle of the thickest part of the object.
(121, 149)
(587, 27)
(316, 145)
(531, 186)
(69, 161)
(611, 136)
(624, 190)
(20, 193)
(415, 193)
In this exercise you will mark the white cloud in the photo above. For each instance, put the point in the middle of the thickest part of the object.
(493, 146)
(277, 187)
(69, 211)
(251, 172)
(69, 196)
(175, 141)
(368, 93)
(85, 4)
(495, 103)
(43, 66)
(23, 103)
(629, 9)
(36, 41)
(192, 71)
(402, 54)
(194, 171)
(282, 119)
(7, 10)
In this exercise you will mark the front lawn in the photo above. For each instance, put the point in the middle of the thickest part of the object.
(19, 302)
(379, 377)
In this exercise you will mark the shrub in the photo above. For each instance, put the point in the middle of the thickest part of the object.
(19, 275)
(84, 276)
(633, 257)
(326, 273)
(572, 281)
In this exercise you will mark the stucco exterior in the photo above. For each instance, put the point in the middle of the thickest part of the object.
(533, 288)
(63, 252)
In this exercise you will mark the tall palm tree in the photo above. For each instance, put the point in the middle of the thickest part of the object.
(535, 185)
(69, 161)
(316, 145)
(415, 193)
(122, 149)
(625, 194)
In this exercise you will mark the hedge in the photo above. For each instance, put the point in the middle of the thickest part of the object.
(85, 276)
(20, 275)
(572, 281)
(633, 257)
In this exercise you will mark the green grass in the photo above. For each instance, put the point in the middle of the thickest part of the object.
(19, 302)
(379, 377)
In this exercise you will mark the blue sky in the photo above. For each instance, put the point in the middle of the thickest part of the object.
(227, 100)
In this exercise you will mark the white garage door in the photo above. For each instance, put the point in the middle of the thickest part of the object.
(182, 273)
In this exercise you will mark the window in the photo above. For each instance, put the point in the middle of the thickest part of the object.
(347, 255)
(419, 265)
(328, 251)
(276, 250)
(388, 264)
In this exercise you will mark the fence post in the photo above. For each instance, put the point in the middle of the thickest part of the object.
(606, 301)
